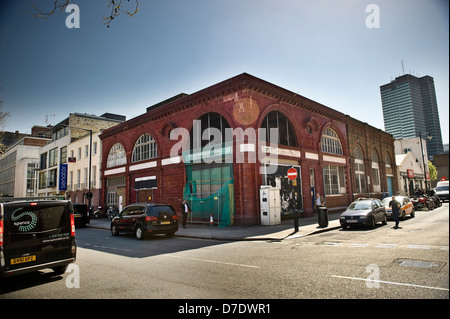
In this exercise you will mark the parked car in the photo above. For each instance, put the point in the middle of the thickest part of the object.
(442, 190)
(364, 212)
(407, 207)
(143, 219)
(35, 235)
(81, 214)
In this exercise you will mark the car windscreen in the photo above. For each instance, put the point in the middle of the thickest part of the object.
(442, 188)
(36, 217)
(359, 206)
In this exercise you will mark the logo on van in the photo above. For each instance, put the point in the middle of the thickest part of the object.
(25, 225)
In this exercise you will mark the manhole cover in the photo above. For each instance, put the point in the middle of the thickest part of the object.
(418, 264)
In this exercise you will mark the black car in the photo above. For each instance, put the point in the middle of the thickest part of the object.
(81, 214)
(143, 219)
(35, 235)
(364, 212)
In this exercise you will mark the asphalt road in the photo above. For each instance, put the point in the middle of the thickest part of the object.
(384, 263)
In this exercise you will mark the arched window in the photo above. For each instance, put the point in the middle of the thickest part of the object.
(116, 156)
(201, 135)
(330, 142)
(286, 133)
(360, 179)
(144, 149)
(375, 172)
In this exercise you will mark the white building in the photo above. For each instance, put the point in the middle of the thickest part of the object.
(410, 174)
(54, 174)
(19, 165)
(418, 148)
(78, 169)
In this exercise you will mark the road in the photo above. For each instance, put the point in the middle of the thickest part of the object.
(383, 263)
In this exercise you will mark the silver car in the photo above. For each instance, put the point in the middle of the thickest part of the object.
(364, 212)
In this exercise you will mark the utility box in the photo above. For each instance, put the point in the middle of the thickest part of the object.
(270, 205)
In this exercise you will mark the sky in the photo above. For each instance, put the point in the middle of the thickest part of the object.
(322, 49)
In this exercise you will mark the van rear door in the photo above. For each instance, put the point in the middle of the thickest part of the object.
(36, 233)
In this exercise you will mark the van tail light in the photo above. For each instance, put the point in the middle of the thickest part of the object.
(1, 233)
(150, 219)
(72, 225)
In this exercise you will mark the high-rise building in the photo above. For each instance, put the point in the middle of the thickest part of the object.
(410, 110)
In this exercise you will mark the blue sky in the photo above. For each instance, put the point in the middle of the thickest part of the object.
(320, 49)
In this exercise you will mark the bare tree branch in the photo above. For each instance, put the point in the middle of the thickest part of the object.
(116, 7)
(58, 5)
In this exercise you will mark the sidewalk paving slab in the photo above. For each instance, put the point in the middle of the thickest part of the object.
(306, 226)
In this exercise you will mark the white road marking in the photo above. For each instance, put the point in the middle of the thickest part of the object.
(387, 246)
(358, 245)
(391, 283)
(333, 244)
(212, 261)
(419, 246)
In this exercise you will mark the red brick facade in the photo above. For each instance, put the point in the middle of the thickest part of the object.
(243, 101)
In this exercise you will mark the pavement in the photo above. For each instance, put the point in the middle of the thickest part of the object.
(306, 226)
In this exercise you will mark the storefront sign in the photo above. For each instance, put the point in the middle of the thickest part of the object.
(62, 177)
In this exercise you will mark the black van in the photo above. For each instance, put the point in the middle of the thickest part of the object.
(81, 214)
(36, 235)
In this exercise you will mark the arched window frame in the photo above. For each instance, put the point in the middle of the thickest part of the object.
(207, 121)
(330, 142)
(144, 149)
(286, 131)
(360, 178)
(376, 182)
(116, 156)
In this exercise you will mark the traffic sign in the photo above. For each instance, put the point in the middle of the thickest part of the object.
(292, 173)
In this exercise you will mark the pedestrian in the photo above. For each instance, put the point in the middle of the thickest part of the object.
(185, 209)
(319, 202)
(395, 205)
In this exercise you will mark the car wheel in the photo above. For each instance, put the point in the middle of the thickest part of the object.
(139, 232)
(403, 215)
(114, 230)
(384, 220)
(413, 214)
(373, 225)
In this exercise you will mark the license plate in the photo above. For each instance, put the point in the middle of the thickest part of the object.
(351, 220)
(165, 222)
(76, 215)
(21, 260)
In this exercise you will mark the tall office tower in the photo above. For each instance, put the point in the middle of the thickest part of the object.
(410, 109)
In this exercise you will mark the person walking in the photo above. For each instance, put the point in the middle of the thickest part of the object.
(185, 209)
(319, 202)
(395, 205)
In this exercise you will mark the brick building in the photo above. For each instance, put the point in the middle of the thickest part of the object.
(372, 159)
(180, 149)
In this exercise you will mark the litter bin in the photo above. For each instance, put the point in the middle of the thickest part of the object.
(323, 216)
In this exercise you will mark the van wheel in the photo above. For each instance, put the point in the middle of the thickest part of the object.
(140, 232)
(59, 270)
